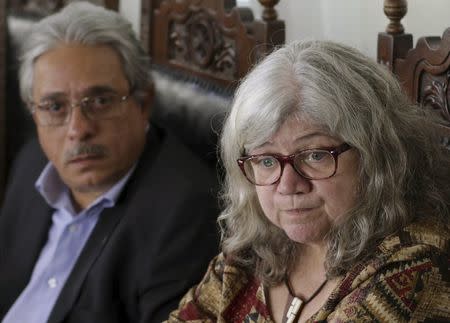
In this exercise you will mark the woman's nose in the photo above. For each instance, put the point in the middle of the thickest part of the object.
(291, 182)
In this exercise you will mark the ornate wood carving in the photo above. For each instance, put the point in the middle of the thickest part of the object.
(434, 93)
(207, 38)
(147, 9)
(197, 41)
(424, 70)
(425, 74)
(431, 56)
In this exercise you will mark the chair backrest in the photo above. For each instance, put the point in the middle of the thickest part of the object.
(424, 69)
(211, 39)
(200, 49)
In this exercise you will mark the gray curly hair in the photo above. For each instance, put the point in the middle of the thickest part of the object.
(402, 165)
(88, 24)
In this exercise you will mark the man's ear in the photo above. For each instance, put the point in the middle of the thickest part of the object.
(29, 110)
(147, 102)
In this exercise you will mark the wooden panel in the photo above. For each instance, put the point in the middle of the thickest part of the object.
(148, 7)
(209, 38)
(201, 40)
(425, 74)
(423, 70)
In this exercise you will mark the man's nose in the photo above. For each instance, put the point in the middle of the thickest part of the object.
(79, 125)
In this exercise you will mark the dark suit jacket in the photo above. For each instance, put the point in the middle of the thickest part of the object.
(142, 255)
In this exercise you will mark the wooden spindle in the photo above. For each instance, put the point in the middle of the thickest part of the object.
(269, 12)
(395, 10)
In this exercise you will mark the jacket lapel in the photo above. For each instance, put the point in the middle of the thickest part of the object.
(30, 230)
(108, 220)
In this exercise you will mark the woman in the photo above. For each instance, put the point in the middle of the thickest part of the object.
(336, 195)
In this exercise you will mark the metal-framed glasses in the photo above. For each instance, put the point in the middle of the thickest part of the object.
(57, 112)
(316, 163)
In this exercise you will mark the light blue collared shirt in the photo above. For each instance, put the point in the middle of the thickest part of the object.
(66, 238)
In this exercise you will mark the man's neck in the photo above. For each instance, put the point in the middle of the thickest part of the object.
(81, 200)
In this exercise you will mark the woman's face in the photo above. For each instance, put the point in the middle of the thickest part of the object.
(306, 209)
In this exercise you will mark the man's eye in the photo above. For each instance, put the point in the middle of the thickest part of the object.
(102, 101)
(52, 107)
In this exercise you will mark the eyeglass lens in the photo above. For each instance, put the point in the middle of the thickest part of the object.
(57, 112)
(312, 164)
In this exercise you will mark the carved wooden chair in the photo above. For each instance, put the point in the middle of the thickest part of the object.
(424, 69)
(210, 39)
(200, 49)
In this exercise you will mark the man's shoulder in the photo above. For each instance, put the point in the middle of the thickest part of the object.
(27, 166)
(175, 158)
(170, 179)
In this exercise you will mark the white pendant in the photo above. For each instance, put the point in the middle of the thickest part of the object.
(295, 307)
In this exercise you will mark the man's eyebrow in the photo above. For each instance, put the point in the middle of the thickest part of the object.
(52, 96)
(94, 90)
(99, 89)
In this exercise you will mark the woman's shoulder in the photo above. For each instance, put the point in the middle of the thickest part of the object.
(408, 279)
(223, 267)
(423, 236)
(225, 290)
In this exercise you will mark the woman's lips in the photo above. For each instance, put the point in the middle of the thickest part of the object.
(298, 211)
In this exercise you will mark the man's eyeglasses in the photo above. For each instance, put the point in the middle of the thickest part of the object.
(56, 112)
(266, 169)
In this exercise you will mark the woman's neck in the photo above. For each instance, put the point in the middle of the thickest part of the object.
(310, 265)
(307, 275)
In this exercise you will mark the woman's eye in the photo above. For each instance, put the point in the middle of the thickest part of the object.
(267, 162)
(315, 156)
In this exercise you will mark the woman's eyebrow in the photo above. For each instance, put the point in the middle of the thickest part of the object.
(300, 139)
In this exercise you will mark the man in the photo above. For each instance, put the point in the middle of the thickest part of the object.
(109, 219)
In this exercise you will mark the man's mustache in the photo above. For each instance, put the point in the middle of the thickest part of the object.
(85, 150)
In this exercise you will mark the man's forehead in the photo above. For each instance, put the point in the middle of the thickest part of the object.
(89, 91)
(78, 69)
(80, 60)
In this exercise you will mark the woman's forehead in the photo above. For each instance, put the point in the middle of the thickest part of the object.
(296, 133)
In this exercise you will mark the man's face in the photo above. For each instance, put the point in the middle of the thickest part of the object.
(89, 155)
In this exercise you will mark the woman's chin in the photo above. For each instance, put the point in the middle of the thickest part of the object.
(305, 233)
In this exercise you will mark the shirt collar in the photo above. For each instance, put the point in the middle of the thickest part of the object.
(56, 193)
